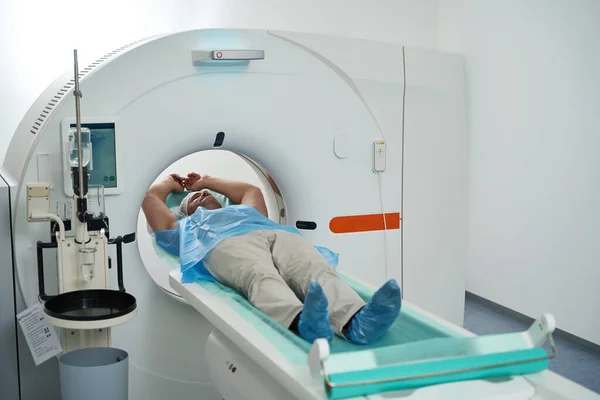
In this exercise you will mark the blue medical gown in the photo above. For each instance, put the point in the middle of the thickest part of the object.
(196, 235)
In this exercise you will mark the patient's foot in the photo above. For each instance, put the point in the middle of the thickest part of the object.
(314, 318)
(374, 319)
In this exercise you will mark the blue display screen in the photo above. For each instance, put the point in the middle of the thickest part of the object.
(103, 168)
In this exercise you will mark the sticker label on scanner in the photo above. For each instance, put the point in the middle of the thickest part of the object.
(41, 336)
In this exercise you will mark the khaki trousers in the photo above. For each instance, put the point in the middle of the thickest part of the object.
(272, 269)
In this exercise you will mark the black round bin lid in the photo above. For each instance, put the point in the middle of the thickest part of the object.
(90, 305)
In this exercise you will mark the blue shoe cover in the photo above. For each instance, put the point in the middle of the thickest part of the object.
(373, 321)
(314, 318)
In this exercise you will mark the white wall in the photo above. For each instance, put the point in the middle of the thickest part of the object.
(410, 22)
(37, 37)
(533, 106)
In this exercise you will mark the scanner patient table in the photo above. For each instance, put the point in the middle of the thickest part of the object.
(417, 345)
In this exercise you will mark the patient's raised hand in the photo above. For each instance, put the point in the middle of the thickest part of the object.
(176, 182)
(196, 181)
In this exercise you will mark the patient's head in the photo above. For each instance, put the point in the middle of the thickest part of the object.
(192, 201)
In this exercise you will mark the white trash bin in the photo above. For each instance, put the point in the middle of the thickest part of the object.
(100, 373)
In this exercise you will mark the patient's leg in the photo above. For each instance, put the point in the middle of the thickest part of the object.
(299, 263)
(244, 263)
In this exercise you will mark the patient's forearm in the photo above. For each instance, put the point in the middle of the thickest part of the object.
(157, 214)
(160, 190)
(234, 190)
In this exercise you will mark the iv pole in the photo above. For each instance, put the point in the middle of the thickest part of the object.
(77, 94)
(81, 231)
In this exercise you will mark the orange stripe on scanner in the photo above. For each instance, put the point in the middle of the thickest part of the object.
(364, 223)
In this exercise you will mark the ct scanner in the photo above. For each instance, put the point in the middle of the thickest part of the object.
(312, 114)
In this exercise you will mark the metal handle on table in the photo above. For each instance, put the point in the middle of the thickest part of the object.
(119, 241)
